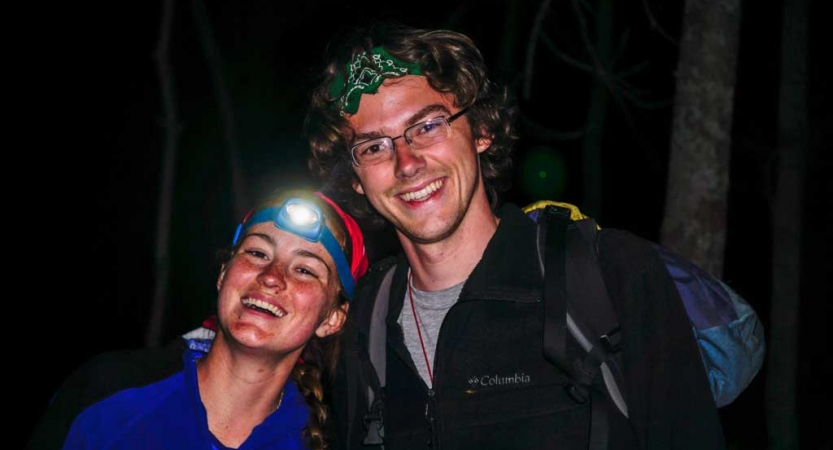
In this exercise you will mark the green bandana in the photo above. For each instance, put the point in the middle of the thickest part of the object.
(366, 74)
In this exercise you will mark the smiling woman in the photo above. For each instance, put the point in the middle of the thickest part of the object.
(253, 374)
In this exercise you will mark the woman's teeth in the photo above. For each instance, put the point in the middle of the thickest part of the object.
(264, 306)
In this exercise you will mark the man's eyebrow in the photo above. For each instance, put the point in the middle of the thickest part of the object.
(419, 116)
(423, 114)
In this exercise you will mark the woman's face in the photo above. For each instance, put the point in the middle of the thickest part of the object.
(277, 291)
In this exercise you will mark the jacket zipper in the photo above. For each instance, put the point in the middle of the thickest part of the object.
(430, 419)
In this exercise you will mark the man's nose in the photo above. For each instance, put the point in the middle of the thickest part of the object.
(408, 161)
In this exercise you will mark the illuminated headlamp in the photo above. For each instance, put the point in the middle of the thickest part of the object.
(305, 219)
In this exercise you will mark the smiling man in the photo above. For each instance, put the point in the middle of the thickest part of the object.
(409, 126)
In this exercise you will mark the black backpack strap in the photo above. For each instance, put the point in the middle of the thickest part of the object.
(571, 271)
(353, 377)
(552, 232)
(591, 317)
(377, 351)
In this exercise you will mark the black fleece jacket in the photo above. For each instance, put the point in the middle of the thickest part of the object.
(492, 386)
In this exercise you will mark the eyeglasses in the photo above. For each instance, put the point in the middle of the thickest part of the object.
(418, 136)
(305, 219)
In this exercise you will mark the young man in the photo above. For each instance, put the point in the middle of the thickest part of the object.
(409, 120)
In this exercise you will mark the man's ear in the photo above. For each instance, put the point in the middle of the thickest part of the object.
(357, 186)
(333, 322)
(221, 277)
(483, 143)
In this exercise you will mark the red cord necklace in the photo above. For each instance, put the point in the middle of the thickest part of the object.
(416, 321)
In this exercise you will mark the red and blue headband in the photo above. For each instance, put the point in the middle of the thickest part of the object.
(305, 219)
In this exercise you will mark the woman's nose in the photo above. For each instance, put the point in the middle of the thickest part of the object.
(272, 276)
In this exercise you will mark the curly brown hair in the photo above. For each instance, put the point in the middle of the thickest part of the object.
(452, 63)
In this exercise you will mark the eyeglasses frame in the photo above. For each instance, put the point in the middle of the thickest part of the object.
(448, 120)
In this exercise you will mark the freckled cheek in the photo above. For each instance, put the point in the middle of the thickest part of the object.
(234, 285)
(312, 298)
(242, 271)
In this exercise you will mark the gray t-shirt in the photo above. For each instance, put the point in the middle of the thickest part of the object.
(431, 308)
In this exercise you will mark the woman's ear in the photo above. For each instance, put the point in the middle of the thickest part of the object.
(334, 321)
(221, 277)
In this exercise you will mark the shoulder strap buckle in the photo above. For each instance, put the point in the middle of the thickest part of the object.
(612, 340)
(374, 424)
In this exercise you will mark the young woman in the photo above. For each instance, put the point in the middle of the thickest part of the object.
(255, 382)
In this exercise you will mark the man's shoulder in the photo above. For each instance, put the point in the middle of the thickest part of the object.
(382, 265)
(368, 285)
(615, 243)
(375, 273)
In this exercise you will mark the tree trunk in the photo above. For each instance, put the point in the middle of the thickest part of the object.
(786, 214)
(153, 332)
(694, 224)
(239, 190)
(531, 46)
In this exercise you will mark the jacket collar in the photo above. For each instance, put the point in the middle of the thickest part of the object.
(508, 269)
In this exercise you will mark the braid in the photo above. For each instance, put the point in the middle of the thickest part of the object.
(310, 375)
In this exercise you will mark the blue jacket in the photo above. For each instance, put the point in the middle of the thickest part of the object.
(149, 399)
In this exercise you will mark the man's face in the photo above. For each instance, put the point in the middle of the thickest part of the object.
(424, 193)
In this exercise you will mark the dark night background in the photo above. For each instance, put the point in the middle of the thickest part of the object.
(95, 264)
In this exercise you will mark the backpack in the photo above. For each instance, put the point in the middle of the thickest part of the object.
(727, 330)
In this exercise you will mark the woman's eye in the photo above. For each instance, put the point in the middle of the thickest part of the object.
(256, 253)
(305, 271)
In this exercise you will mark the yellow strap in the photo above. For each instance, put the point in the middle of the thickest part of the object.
(575, 214)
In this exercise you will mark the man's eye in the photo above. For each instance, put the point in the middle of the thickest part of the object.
(430, 127)
(373, 148)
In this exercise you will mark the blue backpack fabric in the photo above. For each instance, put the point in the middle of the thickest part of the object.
(728, 331)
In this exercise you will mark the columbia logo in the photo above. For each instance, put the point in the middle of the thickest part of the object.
(498, 380)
